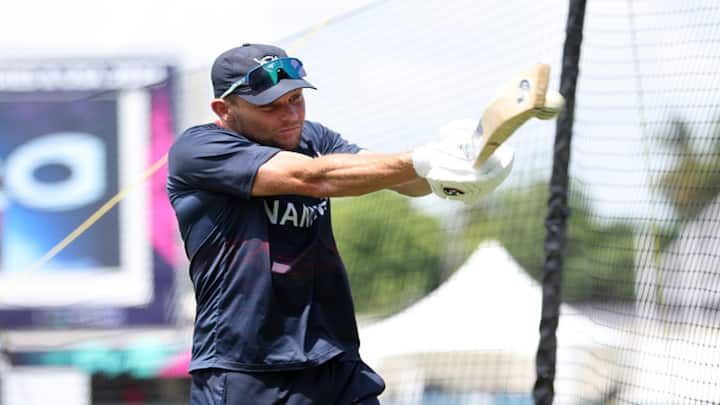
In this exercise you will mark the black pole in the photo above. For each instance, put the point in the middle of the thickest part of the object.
(558, 211)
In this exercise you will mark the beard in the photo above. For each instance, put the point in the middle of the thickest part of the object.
(237, 123)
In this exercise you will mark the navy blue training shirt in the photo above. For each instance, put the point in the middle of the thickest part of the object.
(271, 290)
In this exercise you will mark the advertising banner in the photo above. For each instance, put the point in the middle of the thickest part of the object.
(74, 135)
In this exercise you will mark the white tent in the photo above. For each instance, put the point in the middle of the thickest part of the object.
(479, 332)
(672, 354)
(670, 366)
(685, 276)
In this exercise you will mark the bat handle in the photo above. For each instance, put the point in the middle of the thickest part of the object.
(477, 142)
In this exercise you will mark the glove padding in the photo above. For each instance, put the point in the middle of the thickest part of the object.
(447, 165)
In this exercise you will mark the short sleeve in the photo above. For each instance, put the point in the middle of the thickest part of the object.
(216, 160)
(329, 141)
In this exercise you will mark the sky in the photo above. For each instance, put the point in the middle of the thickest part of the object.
(191, 31)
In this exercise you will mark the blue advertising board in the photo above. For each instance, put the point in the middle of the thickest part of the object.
(73, 134)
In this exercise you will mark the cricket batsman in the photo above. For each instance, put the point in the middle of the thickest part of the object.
(275, 322)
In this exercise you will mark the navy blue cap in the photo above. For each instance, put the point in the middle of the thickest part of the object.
(234, 64)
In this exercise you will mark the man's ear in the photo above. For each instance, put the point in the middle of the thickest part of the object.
(220, 108)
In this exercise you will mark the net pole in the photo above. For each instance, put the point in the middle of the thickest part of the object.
(558, 211)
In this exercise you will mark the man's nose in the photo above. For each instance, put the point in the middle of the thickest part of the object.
(292, 113)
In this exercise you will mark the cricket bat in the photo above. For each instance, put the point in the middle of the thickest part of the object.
(524, 97)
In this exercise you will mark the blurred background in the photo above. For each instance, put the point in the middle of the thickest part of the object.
(448, 296)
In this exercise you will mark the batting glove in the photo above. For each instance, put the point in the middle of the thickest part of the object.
(447, 165)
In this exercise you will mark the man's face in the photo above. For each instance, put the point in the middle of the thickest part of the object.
(277, 124)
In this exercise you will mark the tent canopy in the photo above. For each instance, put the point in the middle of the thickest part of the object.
(479, 331)
(490, 303)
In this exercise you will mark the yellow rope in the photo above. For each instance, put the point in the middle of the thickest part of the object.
(99, 213)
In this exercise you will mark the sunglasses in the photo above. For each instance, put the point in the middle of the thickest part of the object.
(269, 74)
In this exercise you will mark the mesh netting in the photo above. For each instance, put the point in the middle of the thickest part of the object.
(448, 295)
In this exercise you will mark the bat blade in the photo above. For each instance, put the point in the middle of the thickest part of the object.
(516, 102)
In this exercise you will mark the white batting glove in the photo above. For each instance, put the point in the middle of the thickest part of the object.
(447, 165)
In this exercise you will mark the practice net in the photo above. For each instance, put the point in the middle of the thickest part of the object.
(452, 313)
(449, 296)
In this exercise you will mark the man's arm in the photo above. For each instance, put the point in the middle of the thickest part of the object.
(413, 188)
(337, 175)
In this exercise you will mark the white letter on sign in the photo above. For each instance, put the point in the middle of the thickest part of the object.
(82, 154)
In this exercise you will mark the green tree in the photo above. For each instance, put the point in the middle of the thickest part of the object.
(599, 261)
(692, 180)
(393, 253)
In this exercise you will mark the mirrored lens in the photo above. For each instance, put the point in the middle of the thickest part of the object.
(269, 74)
(260, 80)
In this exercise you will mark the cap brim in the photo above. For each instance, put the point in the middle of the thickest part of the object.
(276, 91)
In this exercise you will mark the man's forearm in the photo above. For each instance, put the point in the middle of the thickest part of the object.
(414, 188)
(339, 175)
(334, 175)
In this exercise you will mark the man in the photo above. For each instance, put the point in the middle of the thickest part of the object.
(275, 321)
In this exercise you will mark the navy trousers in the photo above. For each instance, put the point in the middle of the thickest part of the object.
(333, 383)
